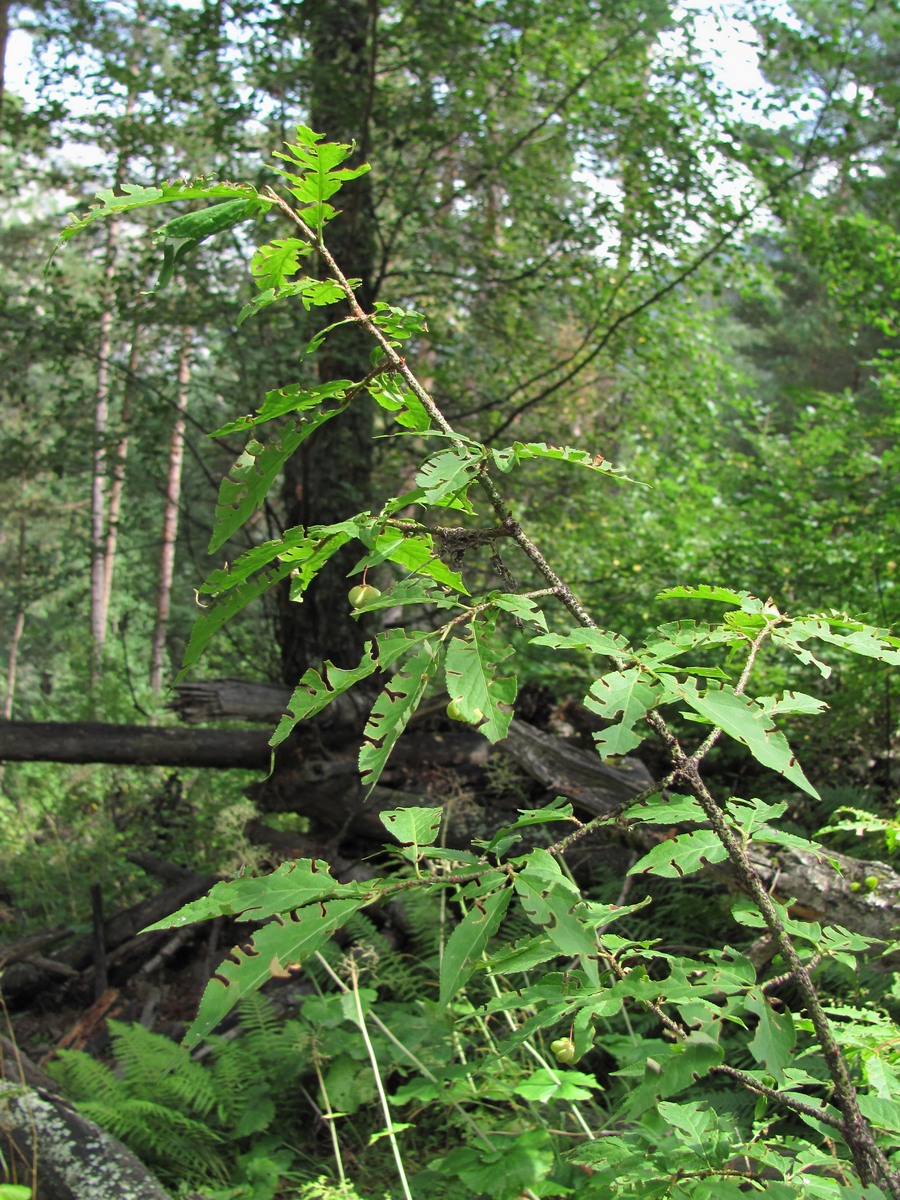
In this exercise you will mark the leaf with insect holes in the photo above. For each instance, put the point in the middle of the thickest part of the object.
(134, 196)
(521, 452)
(598, 641)
(745, 721)
(447, 473)
(282, 401)
(413, 550)
(244, 489)
(272, 265)
(322, 174)
(630, 693)
(394, 707)
(316, 691)
(413, 827)
(279, 945)
(468, 940)
(293, 885)
(681, 855)
(474, 683)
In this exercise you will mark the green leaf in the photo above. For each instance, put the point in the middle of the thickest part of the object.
(858, 638)
(668, 810)
(775, 1036)
(280, 944)
(322, 174)
(314, 293)
(522, 607)
(238, 597)
(134, 196)
(282, 401)
(557, 810)
(744, 600)
(545, 1086)
(550, 900)
(195, 227)
(744, 720)
(521, 452)
(293, 885)
(470, 937)
(413, 550)
(393, 709)
(682, 855)
(473, 682)
(407, 409)
(598, 641)
(316, 691)
(273, 264)
(248, 483)
(415, 827)
(630, 693)
(447, 473)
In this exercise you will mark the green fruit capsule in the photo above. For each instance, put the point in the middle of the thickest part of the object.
(455, 713)
(563, 1050)
(363, 594)
(872, 882)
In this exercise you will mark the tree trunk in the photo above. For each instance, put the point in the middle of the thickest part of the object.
(170, 516)
(329, 479)
(18, 629)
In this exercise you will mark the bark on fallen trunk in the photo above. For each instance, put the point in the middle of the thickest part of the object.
(133, 745)
(76, 1159)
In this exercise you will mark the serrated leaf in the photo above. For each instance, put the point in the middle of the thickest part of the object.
(681, 855)
(393, 709)
(668, 810)
(282, 401)
(406, 409)
(238, 597)
(447, 473)
(473, 681)
(744, 600)
(630, 693)
(323, 176)
(415, 827)
(134, 196)
(557, 810)
(521, 452)
(544, 1086)
(280, 944)
(313, 293)
(550, 900)
(467, 941)
(743, 719)
(775, 1036)
(522, 607)
(791, 702)
(854, 636)
(248, 483)
(598, 641)
(293, 885)
(415, 552)
(272, 264)
(316, 691)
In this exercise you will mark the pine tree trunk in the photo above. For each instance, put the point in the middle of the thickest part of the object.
(170, 516)
(329, 479)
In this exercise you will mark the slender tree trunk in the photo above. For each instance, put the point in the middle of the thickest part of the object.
(330, 478)
(117, 476)
(4, 39)
(170, 516)
(18, 629)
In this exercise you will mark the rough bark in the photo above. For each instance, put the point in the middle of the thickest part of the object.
(62, 1155)
(134, 745)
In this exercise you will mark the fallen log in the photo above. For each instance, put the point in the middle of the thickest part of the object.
(26, 975)
(133, 745)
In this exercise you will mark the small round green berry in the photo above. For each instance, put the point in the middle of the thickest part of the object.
(872, 882)
(363, 594)
(455, 713)
(563, 1050)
